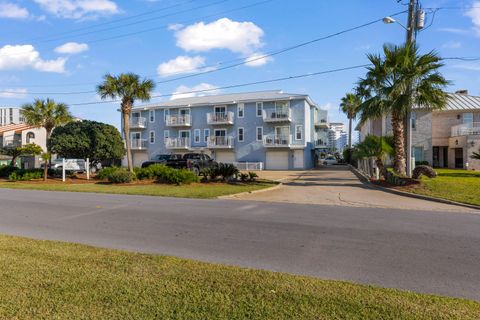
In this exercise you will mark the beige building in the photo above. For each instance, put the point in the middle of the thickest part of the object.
(444, 139)
(21, 135)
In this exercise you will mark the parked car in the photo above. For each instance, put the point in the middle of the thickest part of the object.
(161, 159)
(196, 162)
(328, 161)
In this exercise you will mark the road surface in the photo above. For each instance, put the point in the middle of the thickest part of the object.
(430, 252)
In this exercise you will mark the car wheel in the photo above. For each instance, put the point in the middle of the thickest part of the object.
(196, 171)
(325, 164)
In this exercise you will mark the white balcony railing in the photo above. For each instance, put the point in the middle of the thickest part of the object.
(466, 129)
(138, 123)
(277, 115)
(12, 143)
(321, 119)
(320, 143)
(177, 143)
(138, 144)
(179, 120)
(220, 142)
(277, 141)
(220, 117)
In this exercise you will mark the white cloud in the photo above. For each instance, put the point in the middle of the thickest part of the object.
(181, 64)
(474, 14)
(188, 92)
(452, 45)
(78, 9)
(175, 26)
(25, 56)
(241, 37)
(72, 48)
(329, 106)
(16, 93)
(453, 30)
(257, 60)
(13, 11)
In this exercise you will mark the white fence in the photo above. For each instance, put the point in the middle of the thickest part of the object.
(368, 167)
(249, 166)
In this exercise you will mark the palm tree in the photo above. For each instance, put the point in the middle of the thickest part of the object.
(378, 148)
(475, 155)
(48, 115)
(349, 106)
(395, 84)
(127, 87)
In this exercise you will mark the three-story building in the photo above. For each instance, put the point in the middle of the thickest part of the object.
(272, 129)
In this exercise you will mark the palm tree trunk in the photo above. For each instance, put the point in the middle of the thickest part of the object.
(350, 133)
(399, 164)
(47, 162)
(126, 130)
(381, 167)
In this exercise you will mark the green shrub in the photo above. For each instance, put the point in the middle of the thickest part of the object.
(26, 174)
(121, 176)
(420, 171)
(105, 172)
(152, 172)
(244, 177)
(227, 171)
(252, 176)
(6, 171)
(213, 172)
(164, 174)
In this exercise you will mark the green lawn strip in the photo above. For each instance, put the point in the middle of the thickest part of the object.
(53, 280)
(199, 191)
(457, 185)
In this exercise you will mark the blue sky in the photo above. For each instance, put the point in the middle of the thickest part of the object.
(54, 46)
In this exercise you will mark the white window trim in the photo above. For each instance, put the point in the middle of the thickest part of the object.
(150, 113)
(166, 113)
(301, 132)
(135, 133)
(166, 135)
(205, 135)
(150, 137)
(189, 134)
(256, 133)
(183, 109)
(220, 106)
(240, 106)
(256, 109)
(243, 134)
(220, 129)
(195, 136)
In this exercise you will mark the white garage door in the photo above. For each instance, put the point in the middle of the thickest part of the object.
(139, 158)
(277, 160)
(225, 156)
(298, 159)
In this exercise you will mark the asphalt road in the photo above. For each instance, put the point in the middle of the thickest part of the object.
(430, 252)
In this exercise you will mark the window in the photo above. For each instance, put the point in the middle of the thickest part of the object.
(414, 120)
(259, 109)
(418, 153)
(240, 110)
(298, 132)
(206, 134)
(151, 116)
(30, 137)
(152, 137)
(166, 113)
(196, 135)
(241, 134)
(259, 133)
(468, 118)
(166, 135)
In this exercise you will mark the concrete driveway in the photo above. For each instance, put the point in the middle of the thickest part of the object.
(337, 185)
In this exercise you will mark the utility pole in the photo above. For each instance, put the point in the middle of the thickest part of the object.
(411, 28)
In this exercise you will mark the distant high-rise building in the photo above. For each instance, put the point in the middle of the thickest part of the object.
(337, 136)
(9, 115)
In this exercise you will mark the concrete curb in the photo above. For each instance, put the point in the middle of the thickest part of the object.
(233, 196)
(362, 177)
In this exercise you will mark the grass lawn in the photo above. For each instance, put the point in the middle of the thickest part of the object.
(53, 280)
(200, 191)
(457, 185)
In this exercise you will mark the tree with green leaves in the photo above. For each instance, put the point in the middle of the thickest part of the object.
(18, 151)
(46, 114)
(87, 139)
(378, 148)
(349, 106)
(396, 83)
(127, 87)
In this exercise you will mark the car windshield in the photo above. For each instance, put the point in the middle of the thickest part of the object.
(194, 156)
(163, 157)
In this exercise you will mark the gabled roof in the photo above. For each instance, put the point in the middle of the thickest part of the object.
(14, 127)
(459, 101)
(270, 95)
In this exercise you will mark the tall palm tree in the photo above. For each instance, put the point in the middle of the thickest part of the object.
(378, 148)
(396, 83)
(46, 114)
(349, 106)
(127, 87)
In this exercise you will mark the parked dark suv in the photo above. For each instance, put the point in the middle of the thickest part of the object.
(196, 162)
(162, 159)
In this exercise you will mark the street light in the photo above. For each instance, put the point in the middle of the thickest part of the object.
(390, 20)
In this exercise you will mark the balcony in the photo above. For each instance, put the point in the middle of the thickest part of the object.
(220, 142)
(277, 115)
(215, 118)
(12, 143)
(319, 143)
(180, 120)
(466, 129)
(321, 119)
(138, 144)
(177, 143)
(277, 141)
(138, 123)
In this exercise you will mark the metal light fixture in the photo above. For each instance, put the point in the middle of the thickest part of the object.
(472, 143)
(456, 142)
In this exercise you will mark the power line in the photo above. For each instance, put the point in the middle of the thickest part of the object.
(312, 74)
(272, 53)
